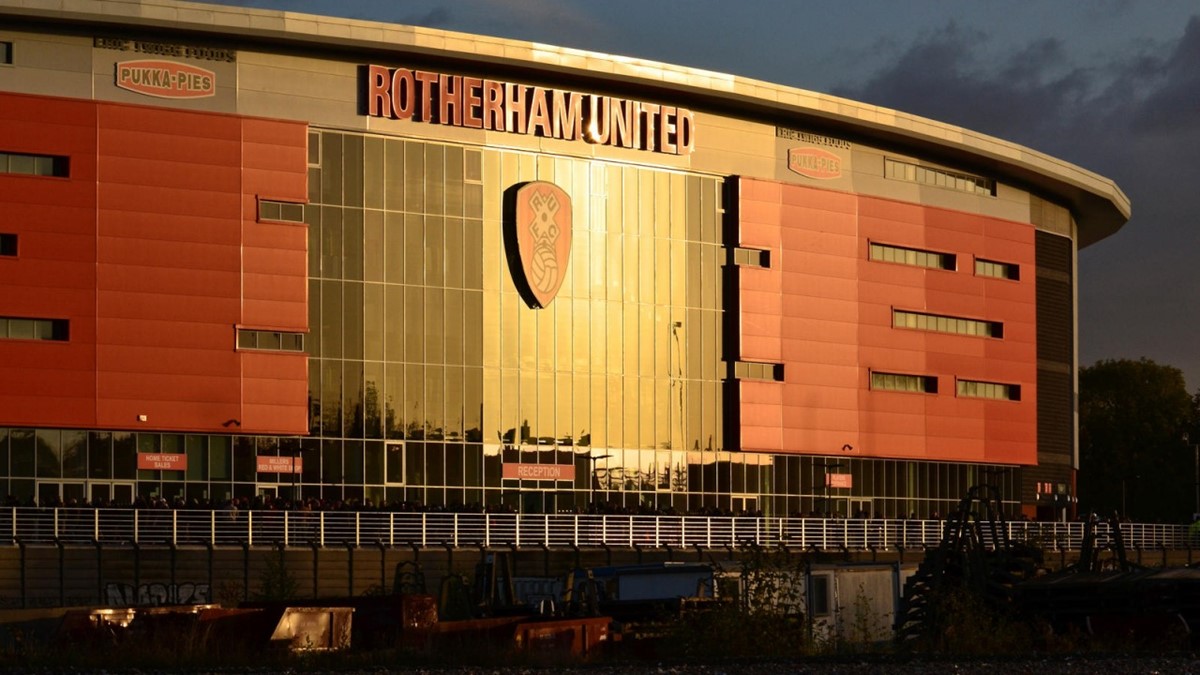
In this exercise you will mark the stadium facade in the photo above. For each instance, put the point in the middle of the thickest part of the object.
(246, 252)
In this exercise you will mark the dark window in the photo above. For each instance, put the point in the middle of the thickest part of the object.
(19, 328)
(993, 390)
(268, 340)
(926, 384)
(8, 244)
(999, 270)
(34, 165)
(913, 256)
(288, 212)
(6, 52)
(947, 324)
(749, 370)
(751, 257)
(819, 595)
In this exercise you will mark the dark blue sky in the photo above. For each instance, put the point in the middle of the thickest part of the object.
(1111, 85)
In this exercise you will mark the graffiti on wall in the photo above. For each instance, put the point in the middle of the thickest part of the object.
(126, 595)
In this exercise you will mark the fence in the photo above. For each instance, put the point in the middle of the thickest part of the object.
(369, 528)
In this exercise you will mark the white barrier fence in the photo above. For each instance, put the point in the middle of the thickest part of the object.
(370, 528)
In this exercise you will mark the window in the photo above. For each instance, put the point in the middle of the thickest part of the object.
(992, 390)
(751, 257)
(913, 256)
(8, 244)
(998, 270)
(267, 340)
(748, 370)
(947, 324)
(924, 384)
(18, 328)
(6, 53)
(33, 165)
(287, 212)
(819, 595)
(951, 180)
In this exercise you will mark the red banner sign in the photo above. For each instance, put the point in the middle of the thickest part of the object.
(539, 471)
(839, 480)
(270, 464)
(166, 79)
(159, 461)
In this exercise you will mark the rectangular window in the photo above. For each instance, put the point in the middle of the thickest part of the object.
(943, 178)
(924, 384)
(18, 328)
(751, 257)
(286, 212)
(8, 244)
(6, 53)
(947, 324)
(34, 165)
(913, 256)
(268, 340)
(819, 595)
(992, 390)
(998, 270)
(748, 370)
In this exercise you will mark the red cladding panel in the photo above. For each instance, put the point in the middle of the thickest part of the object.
(825, 311)
(149, 251)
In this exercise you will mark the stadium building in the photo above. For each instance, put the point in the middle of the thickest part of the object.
(247, 252)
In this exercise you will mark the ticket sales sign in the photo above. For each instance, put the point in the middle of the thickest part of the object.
(161, 461)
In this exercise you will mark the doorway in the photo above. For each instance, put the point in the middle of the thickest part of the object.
(110, 494)
(61, 493)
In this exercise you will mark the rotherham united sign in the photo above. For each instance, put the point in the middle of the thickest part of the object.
(166, 79)
(538, 228)
(476, 103)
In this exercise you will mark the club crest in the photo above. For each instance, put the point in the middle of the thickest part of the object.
(540, 228)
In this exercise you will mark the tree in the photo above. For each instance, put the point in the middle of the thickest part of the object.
(1132, 453)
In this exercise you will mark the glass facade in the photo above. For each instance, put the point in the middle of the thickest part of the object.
(428, 373)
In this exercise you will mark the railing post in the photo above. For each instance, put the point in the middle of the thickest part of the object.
(604, 529)
(517, 529)
(321, 532)
(285, 528)
(708, 532)
(657, 521)
(487, 529)
(575, 529)
(174, 526)
(136, 527)
(249, 529)
(391, 528)
(632, 522)
(454, 535)
(546, 528)
(56, 524)
(96, 525)
(212, 529)
(357, 532)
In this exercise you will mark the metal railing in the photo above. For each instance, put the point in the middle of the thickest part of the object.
(370, 528)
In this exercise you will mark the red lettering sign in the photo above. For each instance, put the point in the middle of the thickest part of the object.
(271, 464)
(539, 471)
(839, 480)
(815, 163)
(166, 79)
(161, 461)
(476, 103)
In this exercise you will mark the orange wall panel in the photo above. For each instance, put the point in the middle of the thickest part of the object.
(146, 248)
(835, 309)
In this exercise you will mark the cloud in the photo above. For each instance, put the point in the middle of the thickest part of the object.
(1133, 117)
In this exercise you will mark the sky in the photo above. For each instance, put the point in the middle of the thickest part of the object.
(1110, 85)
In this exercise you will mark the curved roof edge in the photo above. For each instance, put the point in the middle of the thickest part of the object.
(1099, 205)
